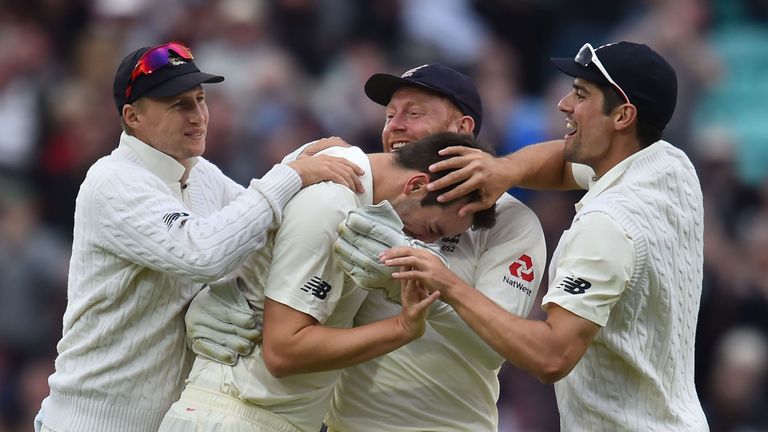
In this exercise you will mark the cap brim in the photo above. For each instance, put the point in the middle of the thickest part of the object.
(380, 87)
(569, 67)
(181, 83)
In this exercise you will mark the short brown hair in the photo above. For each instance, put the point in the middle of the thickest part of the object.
(420, 154)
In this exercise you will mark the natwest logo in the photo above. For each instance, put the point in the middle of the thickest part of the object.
(522, 268)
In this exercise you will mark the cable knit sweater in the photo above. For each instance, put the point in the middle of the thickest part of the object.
(637, 375)
(143, 246)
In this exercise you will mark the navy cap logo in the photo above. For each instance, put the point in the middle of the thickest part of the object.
(176, 61)
(410, 72)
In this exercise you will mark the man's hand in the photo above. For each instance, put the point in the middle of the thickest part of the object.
(322, 144)
(476, 170)
(424, 268)
(221, 324)
(366, 233)
(416, 302)
(328, 168)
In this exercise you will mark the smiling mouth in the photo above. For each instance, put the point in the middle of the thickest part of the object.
(570, 128)
(399, 144)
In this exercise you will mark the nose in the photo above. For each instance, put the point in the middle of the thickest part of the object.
(199, 113)
(564, 105)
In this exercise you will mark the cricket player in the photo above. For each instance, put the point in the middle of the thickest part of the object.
(447, 380)
(309, 303)
(154, 221)
(625, 281)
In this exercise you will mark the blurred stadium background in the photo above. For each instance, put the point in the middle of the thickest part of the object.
(295, 71)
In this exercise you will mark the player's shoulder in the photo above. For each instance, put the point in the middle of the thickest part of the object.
(322, 202)
(114, 173)
(515, 223)
(510, 210)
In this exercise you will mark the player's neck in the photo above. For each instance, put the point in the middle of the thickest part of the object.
(388, 178)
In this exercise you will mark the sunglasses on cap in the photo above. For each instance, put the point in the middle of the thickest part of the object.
(588, 55)
(156, 58)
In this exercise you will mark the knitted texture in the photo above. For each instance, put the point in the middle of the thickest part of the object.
(142, 249)
(638, 372)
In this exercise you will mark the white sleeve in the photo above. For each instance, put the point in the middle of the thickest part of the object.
(304, 272)
(595, 261)
(140, 220)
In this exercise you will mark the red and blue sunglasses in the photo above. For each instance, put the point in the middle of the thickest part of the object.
(156, 58)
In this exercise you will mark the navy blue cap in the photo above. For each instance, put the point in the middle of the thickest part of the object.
(454, 85)
(648, 80)
(172, 79)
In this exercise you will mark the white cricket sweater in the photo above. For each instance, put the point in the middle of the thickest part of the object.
(143, 244)
(637, 375)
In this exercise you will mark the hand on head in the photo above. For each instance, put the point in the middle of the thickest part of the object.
(475, 170)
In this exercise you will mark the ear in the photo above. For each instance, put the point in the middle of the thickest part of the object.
(131, 116)
(466, 125)
(416, 186)
(624, 116)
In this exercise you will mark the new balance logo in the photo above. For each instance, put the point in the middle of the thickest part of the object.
(170, 218)
(318, 287)
(575, 286)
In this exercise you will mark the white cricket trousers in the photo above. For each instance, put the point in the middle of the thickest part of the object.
(202, 410)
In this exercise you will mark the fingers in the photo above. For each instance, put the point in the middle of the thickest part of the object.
(458, 177)
(364, 254)
(458, 151)
(345, 165)
(417, 299)
(322, 144)
(371, 236)
(241, 320)
(239, 345)
(429, 299)
(474, 207)
(467, 186)
(405, 263)
(329, 168)
(369, 217)
(359, 227)
(402, 251)
(208, 349)
(249, 336)
(358, 182)
(354, 262)
(461, 158)
(343, 172)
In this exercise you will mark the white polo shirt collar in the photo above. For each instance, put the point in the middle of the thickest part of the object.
(159, 163)
(609, 178)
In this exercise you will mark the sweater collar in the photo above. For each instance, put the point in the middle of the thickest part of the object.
(609, 178)
(159, 163)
